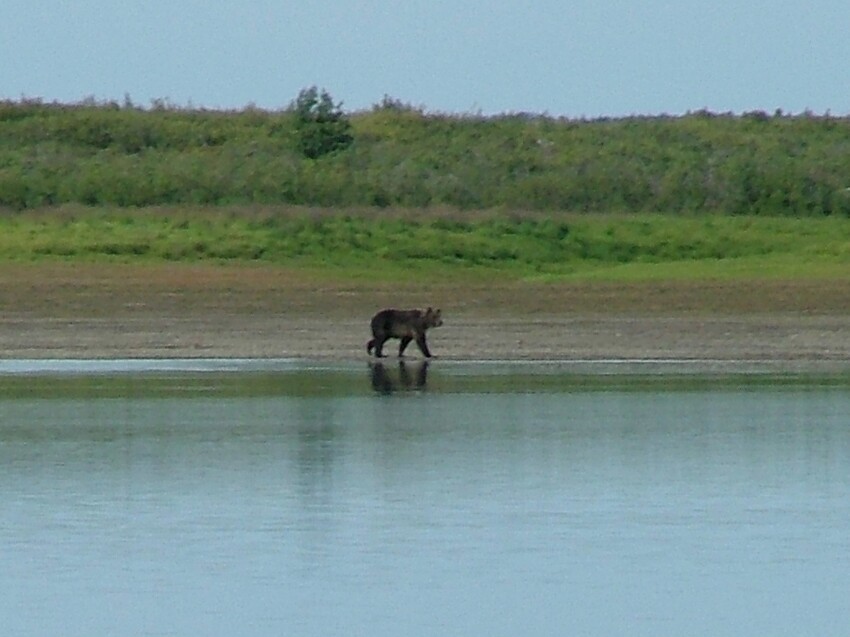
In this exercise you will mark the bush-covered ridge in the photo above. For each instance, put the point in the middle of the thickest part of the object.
(121, 155)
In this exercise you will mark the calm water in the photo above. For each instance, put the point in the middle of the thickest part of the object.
(449, 500)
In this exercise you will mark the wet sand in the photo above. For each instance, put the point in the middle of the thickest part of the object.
(61, 311)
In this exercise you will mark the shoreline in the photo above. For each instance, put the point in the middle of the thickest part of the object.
(78, 367)
(793, 340)
(107, 311)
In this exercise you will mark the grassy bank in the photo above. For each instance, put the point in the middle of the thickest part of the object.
(387, 244)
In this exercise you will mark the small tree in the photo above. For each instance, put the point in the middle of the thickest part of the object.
(320, 125)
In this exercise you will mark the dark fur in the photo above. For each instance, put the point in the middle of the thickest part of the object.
(407, 325)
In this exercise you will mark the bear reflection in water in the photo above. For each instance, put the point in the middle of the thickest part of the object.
(410, 377)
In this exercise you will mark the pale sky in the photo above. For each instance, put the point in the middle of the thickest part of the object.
(574, 58)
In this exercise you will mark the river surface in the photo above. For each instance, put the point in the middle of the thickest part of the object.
(215, 498)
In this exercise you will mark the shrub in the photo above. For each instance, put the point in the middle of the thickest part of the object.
(320, 125)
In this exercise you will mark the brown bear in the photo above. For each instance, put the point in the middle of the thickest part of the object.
(407, 325)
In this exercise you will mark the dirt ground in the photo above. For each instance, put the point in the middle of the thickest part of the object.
(176, 311)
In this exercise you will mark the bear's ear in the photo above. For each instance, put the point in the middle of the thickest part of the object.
(438, 312)
(429, 311)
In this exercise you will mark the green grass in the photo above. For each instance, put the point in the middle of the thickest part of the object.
(388, 244)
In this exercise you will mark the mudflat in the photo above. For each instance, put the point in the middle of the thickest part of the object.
(60, 310)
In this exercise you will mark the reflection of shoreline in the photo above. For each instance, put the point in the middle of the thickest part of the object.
(409, 377)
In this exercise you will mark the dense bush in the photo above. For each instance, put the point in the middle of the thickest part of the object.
(397, 155)
(320, 125)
